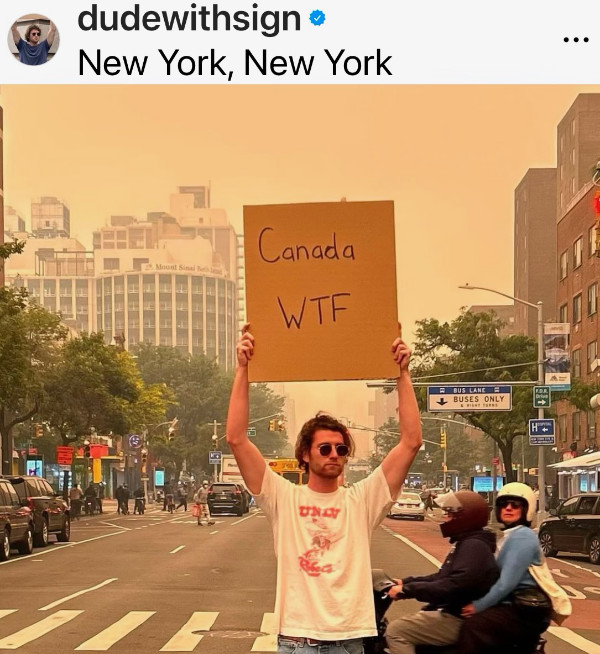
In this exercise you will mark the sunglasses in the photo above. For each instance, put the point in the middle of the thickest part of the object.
(35, 33)
(325, 449)
(513, 504)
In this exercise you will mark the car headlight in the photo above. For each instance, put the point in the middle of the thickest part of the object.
(421, 505)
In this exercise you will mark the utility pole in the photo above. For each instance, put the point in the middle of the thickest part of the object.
(215, 439)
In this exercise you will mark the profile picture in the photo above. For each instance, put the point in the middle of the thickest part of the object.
(33, 39)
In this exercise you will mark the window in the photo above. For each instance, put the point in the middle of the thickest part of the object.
(592, 241)
(592, 355)
(562, 427)
(591, 425)
(138, 263)
(586, 505)
(592, 303)
(576, 425)
(563, 314)
(564, 264)
(576, 363)
(111, 264)
(577, 252)
(577, 309)
(568, 506)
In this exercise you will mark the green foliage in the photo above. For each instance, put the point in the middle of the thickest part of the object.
(200, 395)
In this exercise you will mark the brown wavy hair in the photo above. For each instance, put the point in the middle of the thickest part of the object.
(320, 421)
(32, 27)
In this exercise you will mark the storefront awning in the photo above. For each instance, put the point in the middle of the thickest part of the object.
(586, 461)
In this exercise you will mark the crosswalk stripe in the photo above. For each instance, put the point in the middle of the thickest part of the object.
(38, 629)
(186, 639)
(266, 643)
(115, 632)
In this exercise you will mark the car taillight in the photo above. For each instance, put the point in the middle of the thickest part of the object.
(237, 492)
(30, 503)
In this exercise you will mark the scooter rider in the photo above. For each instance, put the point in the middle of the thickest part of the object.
(467, 573)
(501, 618)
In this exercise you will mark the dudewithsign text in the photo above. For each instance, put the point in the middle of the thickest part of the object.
(321, 290)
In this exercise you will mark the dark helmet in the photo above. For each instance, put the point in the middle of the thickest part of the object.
(468, 511)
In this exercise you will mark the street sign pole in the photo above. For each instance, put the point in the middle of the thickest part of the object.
(541, 452)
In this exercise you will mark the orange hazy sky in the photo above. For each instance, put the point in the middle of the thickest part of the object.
(448, 156)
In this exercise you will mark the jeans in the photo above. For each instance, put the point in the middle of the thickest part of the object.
(285, 646)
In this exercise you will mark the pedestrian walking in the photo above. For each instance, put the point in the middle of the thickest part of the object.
(322, 530)
(75, 499)
(201, 500)
(182, 496)
(139, 504)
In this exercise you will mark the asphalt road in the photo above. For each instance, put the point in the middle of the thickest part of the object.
(158, 583)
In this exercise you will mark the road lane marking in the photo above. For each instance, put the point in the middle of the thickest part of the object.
(237, 522)
(185, 640)
(579, 567)
(115, 632)
(212, 533)
(5, 612)
(77, 594)
(111, 524)
(563, 633)
(266, 643)
(177, 549)
(575, 640)
(38, 629)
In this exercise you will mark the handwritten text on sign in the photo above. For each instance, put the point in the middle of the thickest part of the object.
(321, 290)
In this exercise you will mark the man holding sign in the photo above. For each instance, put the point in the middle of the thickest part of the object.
(322, 531)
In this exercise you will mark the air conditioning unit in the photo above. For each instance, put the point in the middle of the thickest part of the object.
(594, 365)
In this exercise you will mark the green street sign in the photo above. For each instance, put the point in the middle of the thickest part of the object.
(251, 432)
(541, 397)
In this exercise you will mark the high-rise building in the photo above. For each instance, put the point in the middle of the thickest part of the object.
(1, 191)
(535, 248)
(50, 218)
(578, 263)
(13, 223)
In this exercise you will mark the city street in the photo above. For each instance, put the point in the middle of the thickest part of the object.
(160, 583)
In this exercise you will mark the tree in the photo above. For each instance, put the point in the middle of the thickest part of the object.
(472, 349)
(30, 339)
(95, 385)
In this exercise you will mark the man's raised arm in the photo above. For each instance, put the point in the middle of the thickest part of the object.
(15, 33)
(51, 33)
(248, 457)
(397, 463)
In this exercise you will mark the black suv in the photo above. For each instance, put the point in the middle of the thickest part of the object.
(227, 497)
(50, 512)
(573, 527)
(16, 522)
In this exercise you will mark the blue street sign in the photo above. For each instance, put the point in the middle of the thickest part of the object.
(214, 457)
(541, 432)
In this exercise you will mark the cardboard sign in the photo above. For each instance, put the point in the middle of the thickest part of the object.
(321, 290)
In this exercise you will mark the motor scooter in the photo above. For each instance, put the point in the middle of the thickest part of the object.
(382, 583)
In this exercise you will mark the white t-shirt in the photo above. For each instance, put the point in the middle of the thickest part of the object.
(322, 544)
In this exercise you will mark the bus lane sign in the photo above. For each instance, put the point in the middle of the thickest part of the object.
(456, 398)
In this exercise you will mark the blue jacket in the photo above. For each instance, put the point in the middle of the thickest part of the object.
(519, 549)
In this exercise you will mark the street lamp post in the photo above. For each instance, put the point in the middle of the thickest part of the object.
(540, 382)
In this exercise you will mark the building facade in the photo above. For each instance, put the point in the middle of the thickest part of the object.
(535, 248)
(163, 281)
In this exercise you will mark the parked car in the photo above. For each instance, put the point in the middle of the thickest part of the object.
(408, 505)
(51, 514)
(227, 497)
(573, 527)
(16, 522)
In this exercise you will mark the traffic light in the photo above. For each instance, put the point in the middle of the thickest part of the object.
(443, 439)
(172, 428)
(86, 451)
(144, 457)
(271, 425)
(280, 425)
(39, 430)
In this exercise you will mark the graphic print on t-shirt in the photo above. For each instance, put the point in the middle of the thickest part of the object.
(321, 525)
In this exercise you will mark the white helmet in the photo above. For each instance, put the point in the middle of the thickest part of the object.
(520, 492)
